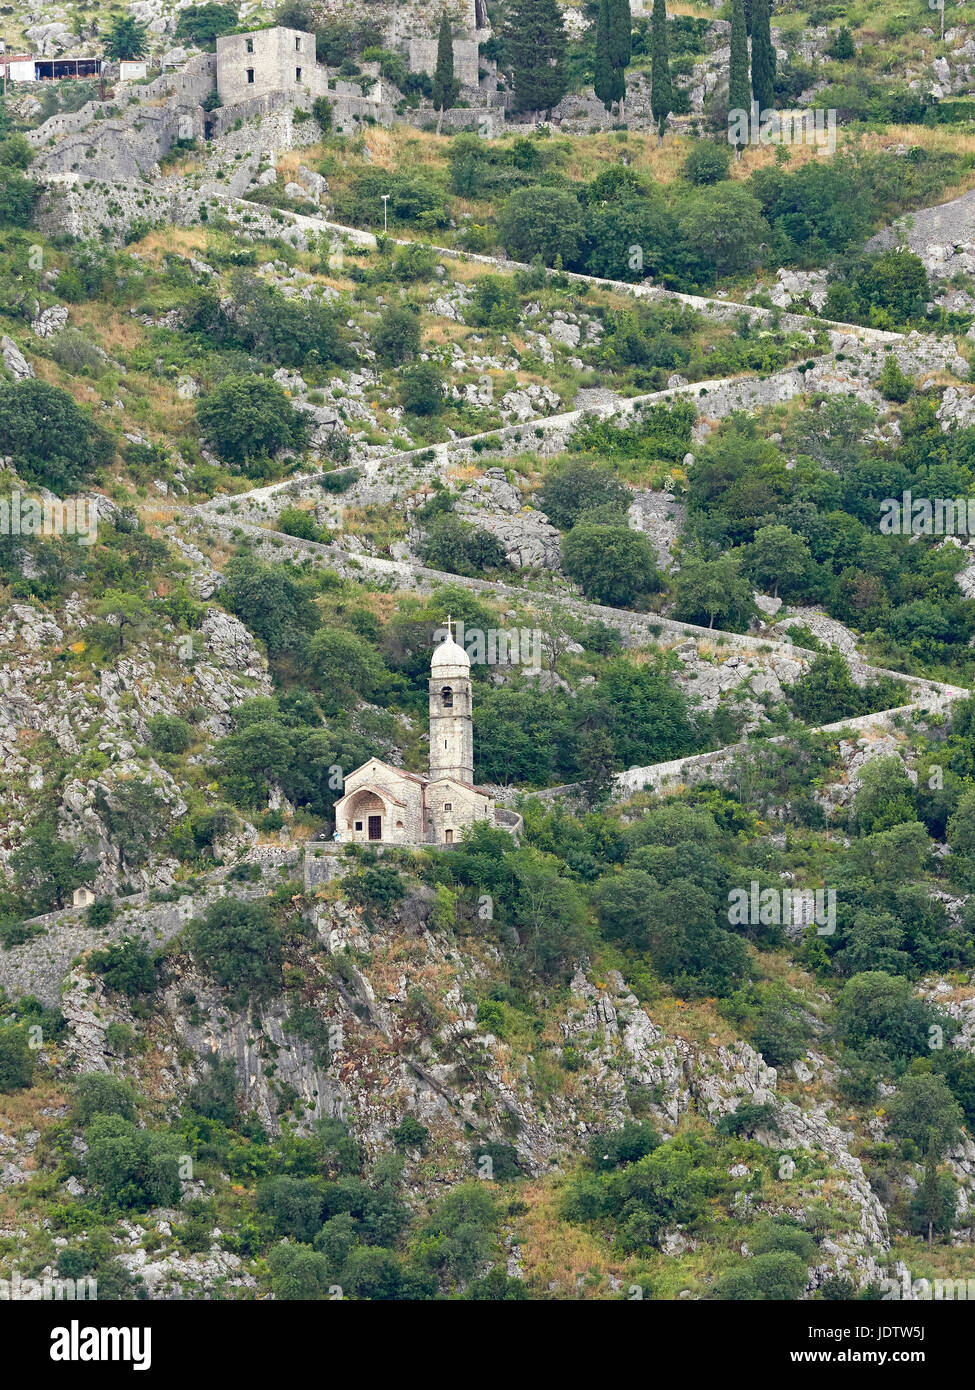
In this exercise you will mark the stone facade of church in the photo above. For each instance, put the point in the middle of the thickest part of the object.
(385, 805)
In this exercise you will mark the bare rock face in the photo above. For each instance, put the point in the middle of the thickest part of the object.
(14, 360)
(50, 321)
(527, 537)
(661, 517)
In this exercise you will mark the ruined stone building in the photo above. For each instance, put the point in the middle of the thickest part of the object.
(268, 60)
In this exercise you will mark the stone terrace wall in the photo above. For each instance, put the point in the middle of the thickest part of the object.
(189, 86)
(636, 629)
(40, 964)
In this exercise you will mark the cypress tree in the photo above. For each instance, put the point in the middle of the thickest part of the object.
(661, 87)
(620, 46)
(603, 80)
(445, 86)
(763, 56)
(739, 92)
(534, 54)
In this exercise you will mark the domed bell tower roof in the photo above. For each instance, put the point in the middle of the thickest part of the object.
(450, 660)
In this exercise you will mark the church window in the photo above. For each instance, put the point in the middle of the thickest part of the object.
(448, 805)
(447, 697)
(358, 825)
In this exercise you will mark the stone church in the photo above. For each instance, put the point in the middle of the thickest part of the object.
(385, 805)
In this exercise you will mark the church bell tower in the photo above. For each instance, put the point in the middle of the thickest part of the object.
(451, 725)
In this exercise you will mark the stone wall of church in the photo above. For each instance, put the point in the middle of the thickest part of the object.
(452, 806)
(401, 824)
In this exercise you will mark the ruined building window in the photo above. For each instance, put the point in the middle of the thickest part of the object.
(250, 74)
(448, 805)
(297, 45)
(447, 697)
(297, 74)
(250, 45)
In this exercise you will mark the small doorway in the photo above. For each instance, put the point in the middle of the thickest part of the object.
(448, 837)
(375, 827)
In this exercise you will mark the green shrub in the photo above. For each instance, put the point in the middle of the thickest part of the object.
(240, 946)
(16, 1057)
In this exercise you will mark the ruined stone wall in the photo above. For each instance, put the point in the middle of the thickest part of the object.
(268, 60)
(423, 58)
(188, 87)
(123, 149)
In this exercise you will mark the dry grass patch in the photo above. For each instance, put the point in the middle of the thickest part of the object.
(23, 1110)
(163, 240)
(555, 1253)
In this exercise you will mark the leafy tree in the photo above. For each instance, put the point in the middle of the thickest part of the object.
(410, 1134)
(126, 39)
(127, 967)
(169, 734)
(545, 222)
(725, 228)
(299, 1273)
(777, 556)
(215, 1095)
(894, 385)
(497, 303)
(396, 337)
(16, 1058)
(240, 946)
(373, 1273)
(612, 564)
(779, 1276)
(925, 1113)
(422, 389)
(551, 914)
(52, 442)
(132, 1167)
(763, 56)
(635, 1140)
(935, 1205)
(713, 589)
(346, 667)
(460, 547)
(134, 813)
(18, 196)
(125, 615)
(662, 89)
(250, 417)
(707, 163)
(292, 1205)
(885, 796)
(445, 85)
(202, 25)
(49, 869)
(534, 45)
(271, 602)
(831, 430)
(877, 1006)
(98, 1094)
